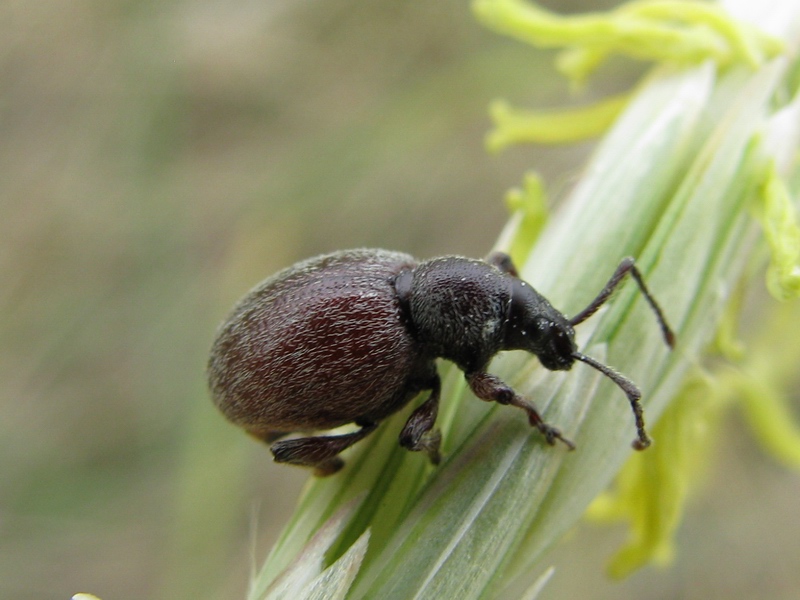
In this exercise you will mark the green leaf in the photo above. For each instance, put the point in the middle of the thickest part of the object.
(306, 578)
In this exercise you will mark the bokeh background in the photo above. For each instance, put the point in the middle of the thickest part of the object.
(157, 159)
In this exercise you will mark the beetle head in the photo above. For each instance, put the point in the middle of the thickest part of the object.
(535, 326)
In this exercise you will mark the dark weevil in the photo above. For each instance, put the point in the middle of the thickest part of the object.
(353, 336)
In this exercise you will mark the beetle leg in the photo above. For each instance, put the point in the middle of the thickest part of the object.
(503, 262)
(418, 433)
(492, 389)
(320, 452)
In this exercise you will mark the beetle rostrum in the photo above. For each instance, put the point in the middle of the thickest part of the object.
(353, 336)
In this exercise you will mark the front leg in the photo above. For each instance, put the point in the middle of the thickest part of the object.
(418, 433)
(492, 389)
(503, 261)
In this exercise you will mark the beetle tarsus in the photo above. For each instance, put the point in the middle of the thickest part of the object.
(551, 434)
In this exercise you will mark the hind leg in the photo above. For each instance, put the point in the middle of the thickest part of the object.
(321, 452)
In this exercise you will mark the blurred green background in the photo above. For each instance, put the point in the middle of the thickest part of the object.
(157, 159)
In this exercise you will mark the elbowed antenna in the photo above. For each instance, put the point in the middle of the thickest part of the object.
(626, 385)
(625, 267)
(631, 391)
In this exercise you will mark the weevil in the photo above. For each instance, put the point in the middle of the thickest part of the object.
(353, 336)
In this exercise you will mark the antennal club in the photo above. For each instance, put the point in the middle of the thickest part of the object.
(631, 391)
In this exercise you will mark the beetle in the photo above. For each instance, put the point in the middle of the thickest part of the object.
(353, 336)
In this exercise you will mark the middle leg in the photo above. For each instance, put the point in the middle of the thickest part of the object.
(418, 433)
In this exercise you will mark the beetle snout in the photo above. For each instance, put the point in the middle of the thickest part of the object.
(558, 345)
